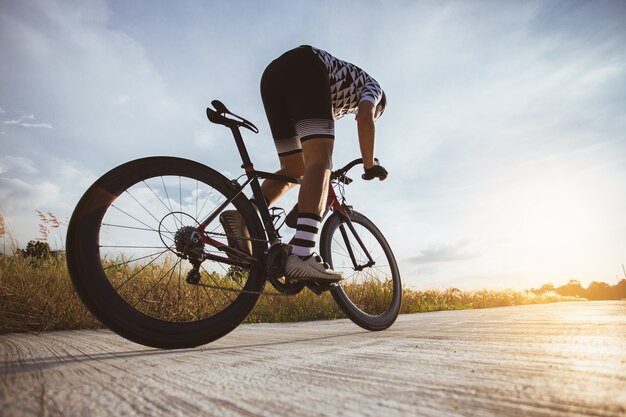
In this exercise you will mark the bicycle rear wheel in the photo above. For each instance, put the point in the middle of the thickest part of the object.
(371, 293)
(123, 261)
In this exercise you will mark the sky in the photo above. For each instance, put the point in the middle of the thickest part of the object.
(504, 135)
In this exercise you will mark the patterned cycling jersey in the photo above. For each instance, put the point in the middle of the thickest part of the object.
(349, 85)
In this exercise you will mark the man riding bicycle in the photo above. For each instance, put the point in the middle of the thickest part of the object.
(304, 91)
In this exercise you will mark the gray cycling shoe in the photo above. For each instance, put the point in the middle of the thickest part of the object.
(311, 268)
(236, 231)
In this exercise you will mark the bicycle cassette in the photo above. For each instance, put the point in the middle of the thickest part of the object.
(188, 243)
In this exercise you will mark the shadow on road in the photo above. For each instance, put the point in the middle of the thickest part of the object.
(39, 364)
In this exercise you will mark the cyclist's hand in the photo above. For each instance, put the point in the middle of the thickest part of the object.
(377, 171)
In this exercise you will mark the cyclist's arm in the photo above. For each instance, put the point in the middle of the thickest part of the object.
(367, 132)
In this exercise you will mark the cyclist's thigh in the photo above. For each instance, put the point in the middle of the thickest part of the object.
(318, 150)
(292, 165)
(276, 110)
(307, 91)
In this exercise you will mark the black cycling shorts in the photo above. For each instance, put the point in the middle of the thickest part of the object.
(295, 89)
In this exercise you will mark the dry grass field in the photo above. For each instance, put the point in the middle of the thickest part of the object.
(37, 295)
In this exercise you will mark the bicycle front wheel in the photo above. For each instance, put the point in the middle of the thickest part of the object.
(371, 293)
(124, 263)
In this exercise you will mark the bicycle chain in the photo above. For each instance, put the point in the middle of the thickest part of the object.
(217, 287)
(236, 237)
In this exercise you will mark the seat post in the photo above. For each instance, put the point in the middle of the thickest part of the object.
(241, 147)
(254, 185)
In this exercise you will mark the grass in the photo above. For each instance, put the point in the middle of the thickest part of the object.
(37, 295)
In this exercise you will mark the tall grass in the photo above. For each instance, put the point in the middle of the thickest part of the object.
(37, 295)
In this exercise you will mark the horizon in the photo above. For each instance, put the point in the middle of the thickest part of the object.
(503, 137)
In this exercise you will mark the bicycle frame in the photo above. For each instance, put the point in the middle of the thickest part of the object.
(333, 203)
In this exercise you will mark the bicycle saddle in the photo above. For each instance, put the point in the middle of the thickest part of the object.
(218, 116)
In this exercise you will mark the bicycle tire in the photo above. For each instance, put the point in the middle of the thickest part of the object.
(371, 297)
(177, 321)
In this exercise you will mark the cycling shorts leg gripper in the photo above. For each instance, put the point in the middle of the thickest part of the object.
(288, 146)
(315, 128)
(295, 89)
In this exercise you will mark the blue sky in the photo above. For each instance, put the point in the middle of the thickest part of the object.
(504, 136)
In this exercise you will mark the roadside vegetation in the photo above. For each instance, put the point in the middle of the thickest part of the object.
(36, 294)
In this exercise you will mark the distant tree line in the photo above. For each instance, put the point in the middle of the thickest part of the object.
(38, 250)
(595, 290)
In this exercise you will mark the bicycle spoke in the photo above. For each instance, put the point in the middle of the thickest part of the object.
(167, 284)
(149, 212)
(159, 198)
(129, 227)
(167, 196)
(134, 218)
(180, 199)
(133, 247)
(143, 297)
(206, 291)
(212, 210)
(138, 272)
(196, 199)
(217, 285)
(134, 260)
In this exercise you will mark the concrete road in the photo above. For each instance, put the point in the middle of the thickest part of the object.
(566, 359)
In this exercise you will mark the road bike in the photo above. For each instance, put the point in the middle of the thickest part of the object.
(149, 257)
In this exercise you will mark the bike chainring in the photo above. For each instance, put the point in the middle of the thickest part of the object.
(276, 261)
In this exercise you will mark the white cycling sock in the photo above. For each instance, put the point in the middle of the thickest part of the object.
(306, 234)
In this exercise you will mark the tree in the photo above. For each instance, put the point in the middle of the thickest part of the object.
(600, 291)
(36, 249)
(620, 289)
(544, 289)
(571, 289)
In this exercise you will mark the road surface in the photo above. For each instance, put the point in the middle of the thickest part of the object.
(565, 359)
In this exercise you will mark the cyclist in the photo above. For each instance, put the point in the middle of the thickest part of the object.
(304, 91)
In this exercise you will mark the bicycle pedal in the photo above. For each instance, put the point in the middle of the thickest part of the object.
(318, 288)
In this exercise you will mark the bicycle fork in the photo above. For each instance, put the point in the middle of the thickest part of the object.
(346, 239)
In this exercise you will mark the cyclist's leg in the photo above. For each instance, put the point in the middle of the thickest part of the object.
(290, 165)
(318, 153)
(303, 263)
(296, 94)
(283, 130)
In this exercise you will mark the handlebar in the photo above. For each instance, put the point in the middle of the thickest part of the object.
(340, 174)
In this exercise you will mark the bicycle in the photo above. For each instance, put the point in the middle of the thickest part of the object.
(150, 259)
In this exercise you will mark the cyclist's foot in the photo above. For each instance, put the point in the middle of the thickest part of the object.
(311, 268)
(236, 231)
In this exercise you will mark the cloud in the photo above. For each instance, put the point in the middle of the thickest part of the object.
(446, 253)
(482, 97)
(18, 164)
(118, 99)
(23, 122)
(18, 196)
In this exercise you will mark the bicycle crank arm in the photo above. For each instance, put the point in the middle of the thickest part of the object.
(317, 288)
